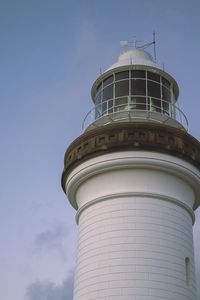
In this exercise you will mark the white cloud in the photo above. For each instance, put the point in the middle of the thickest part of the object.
(51, 239)
(50, 291)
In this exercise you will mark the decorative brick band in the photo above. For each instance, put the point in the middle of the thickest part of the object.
(131, 136)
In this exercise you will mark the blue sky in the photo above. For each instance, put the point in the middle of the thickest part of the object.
(51, 52)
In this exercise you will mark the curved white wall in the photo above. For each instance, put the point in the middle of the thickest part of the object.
(135, 227)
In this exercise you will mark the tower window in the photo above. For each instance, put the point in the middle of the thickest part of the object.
(188, 271)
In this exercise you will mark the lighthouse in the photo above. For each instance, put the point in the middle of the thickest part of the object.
(134, 178)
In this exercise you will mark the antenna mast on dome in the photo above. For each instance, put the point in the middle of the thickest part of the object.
(138, 44)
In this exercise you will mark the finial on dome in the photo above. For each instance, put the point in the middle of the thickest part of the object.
(137, 44)
(131, 44)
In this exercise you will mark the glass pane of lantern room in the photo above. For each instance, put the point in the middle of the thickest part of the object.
(165, 82)
(108, 80)
(99, 88)
(108, 92)
(153, 89)
(138, 87)
(154, 95)
(155, 105)
(165, 107)
(121, 75)
(166, 95)
(138, 74)
(153, 76)
(138, 103)
(98, 105)
(98, 98)
(121, 103)
(110, 106)
(122, 88)
(104, 108)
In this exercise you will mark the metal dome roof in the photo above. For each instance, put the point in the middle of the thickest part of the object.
(134, 56)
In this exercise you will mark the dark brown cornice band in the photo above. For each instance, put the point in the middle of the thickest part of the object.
(131, 136)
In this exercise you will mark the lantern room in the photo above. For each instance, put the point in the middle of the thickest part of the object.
(135, 88)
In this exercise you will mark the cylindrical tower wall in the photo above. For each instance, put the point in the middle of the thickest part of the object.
(134, 248)
(135, 227)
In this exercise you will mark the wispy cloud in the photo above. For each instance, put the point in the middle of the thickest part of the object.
(50, 291)
(52, 239)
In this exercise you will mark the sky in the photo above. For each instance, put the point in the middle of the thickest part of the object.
(51, 52)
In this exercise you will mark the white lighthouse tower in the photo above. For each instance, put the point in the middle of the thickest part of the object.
(134, 178)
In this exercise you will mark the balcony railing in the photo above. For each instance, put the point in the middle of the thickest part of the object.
(135, 108)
